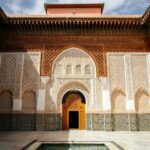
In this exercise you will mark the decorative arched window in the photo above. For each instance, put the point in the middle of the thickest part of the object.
(70, 57)
(58, 69)
(87, 69)
(68, 69)
(78, 69)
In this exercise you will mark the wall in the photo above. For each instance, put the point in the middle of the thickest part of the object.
(120, 81)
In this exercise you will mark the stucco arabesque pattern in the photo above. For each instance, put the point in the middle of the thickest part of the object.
(59, 82)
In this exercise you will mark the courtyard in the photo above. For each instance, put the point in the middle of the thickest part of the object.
(124, 140)
(74, 75)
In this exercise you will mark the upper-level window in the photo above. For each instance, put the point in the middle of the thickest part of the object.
(78, 69)
(58, 69)
(68, 58)
(87, 69)
(68, 69)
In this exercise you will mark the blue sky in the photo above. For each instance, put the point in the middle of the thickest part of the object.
(111, 6)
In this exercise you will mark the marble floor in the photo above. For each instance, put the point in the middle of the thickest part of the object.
(126, 140)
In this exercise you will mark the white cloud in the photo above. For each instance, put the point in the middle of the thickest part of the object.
(14, 7)
(111, 5)
(17, 7)
(37, 6)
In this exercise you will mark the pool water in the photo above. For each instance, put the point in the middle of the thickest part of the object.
(72, 147)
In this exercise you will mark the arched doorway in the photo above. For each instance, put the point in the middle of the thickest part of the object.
(73, 110)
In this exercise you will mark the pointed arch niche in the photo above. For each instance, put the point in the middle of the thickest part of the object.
(76, 100)
(142, 101)
(73, 61)
(118, 101)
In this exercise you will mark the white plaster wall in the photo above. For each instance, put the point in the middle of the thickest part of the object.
(17, 104)
(41, 100)
(106, 100)
(127, 71)
(130, 105)
(18, 78)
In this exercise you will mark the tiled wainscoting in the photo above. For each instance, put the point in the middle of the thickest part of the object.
(143, 122)
(52, 122)
(99, 122)
(24, 122)
(95, 121)
(5, 122)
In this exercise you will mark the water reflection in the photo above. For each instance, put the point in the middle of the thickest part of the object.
(73, 147)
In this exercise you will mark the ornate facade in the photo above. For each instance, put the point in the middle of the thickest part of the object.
(75, 70)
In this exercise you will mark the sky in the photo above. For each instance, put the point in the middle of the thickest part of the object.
(36, 7)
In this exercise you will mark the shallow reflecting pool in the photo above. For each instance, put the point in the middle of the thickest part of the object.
(72, 147)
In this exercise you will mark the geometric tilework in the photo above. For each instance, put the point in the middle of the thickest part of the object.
(40, 122)
(99, 122)
(143, 122)
(5, 122)
(133, 122)
(108, 122)
(53, 122)
(23, 122)
(88, 121)
(120, 122)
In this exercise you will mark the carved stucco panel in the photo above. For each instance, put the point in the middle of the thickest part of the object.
(139, 71)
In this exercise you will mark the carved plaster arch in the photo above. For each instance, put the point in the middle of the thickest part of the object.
(29, 87)
(78, 52)
(118, 92)
(77, 86)
(138, 95)
(142, 88)
(6, 88)
(6, 100)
